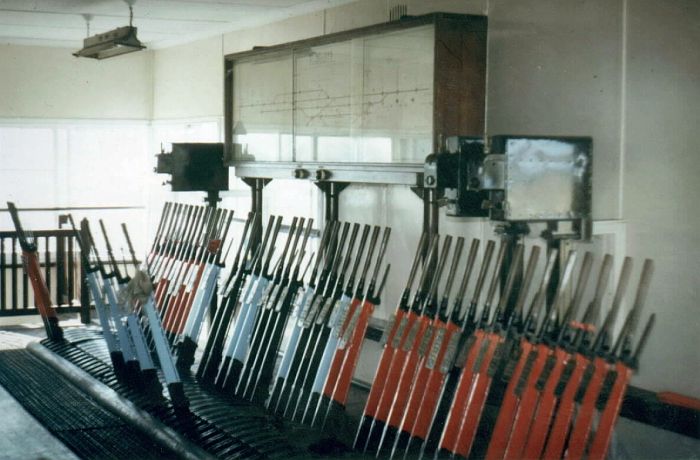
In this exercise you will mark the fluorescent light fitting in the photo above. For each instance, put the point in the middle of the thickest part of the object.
(109, 44)
(119, 41)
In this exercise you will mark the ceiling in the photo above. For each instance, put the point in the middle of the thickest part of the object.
(160, 23)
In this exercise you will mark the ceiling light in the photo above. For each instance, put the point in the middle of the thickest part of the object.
(113, 43)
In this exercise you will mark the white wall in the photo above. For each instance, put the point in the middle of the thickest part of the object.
(64, 124)
(189, 70)
(43, 82)
(554, 69)
(188, 81)
(626, 73)
(661, 189)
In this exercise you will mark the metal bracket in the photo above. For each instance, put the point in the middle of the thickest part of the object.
(493, 172)
(254, 181)
(420, 193)
(331, 190)
(212, 198)
(433, 199)
(327, 186)
(256, 188)
(256, 191)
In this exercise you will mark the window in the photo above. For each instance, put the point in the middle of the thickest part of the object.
(93, 170)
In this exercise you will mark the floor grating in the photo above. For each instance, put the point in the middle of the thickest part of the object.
(77, 420)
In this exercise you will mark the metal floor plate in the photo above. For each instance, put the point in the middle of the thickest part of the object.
(78, 421)
(225, 427)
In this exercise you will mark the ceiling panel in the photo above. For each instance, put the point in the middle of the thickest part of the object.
(160, 22)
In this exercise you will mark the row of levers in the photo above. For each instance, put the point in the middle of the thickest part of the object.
(489, 349)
